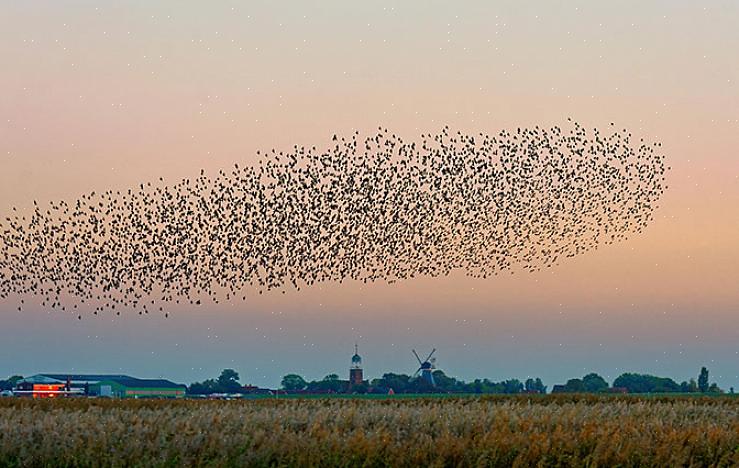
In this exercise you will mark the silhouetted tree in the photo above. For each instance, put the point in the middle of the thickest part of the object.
(689, 386)
(692, 386)
(574, 385)
(398, 382)
(644, 383)
(539, 385)
(228, 382)
(293, 382)
(420, 385)
(512, 386)
(206, 387)
(445, 383)
(703, 380)
(10, 383)
(359, 388)
(594, 383)
(330, 383)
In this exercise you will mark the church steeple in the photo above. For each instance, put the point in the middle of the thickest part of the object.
(355, 371)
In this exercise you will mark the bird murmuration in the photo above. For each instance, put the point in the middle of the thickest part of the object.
(374, 209)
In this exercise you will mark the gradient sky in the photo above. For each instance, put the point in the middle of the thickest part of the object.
(105, 95)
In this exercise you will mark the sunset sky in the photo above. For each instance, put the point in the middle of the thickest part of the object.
(106, 95)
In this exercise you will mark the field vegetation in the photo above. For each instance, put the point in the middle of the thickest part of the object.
(522, 430)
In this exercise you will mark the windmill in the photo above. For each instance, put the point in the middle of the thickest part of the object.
(427, 367)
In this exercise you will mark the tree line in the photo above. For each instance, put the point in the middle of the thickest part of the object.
(404, 383)
(228, 382)
(640, 383)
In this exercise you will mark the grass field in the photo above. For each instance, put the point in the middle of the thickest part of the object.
(560, 430)
(528, 397)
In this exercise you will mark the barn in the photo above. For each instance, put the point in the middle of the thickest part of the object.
(130, 387)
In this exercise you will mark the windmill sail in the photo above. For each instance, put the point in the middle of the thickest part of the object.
(426, 369)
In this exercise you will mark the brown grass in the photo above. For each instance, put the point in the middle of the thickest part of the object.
(514, 431)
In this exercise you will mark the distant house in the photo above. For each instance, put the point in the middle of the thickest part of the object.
(559, 389)
(120, 386)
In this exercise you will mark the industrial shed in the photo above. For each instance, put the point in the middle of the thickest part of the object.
(131, 387)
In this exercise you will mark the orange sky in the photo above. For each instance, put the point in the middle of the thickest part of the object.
(97, 95)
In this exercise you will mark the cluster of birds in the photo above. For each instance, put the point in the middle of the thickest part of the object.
(374, 209)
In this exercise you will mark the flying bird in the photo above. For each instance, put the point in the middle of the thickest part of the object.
(378, 209)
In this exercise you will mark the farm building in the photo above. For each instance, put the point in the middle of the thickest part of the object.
(130, 387)
(54, 385)
(121, 386)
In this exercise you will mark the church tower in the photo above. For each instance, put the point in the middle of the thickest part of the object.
(355, 371)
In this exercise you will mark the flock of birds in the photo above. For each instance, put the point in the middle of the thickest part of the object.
(374, 209)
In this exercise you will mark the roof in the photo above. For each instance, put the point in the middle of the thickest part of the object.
(132, 382)
(125, 380)
(75, 378)
(85, 377)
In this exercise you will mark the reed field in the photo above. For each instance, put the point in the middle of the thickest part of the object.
(567, 430)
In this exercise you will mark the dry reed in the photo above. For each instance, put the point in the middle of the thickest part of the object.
(544, 431)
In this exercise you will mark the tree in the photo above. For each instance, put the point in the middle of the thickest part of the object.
(398, 382)
(293, 382)
(703, 380)
(731, 390)
(535, 386)
(644, 383)
(529, 385)
(692, 386)
(360, 388)
(203, 388)
(714, 388)
(539, 386)
(574, 385)
(228, 382)
(475, 387)
(489, 386)
(444, 383)
(330, 383)
(689, 387)
(10, 383)
(420, 385)
(512, 386)
(594, 383)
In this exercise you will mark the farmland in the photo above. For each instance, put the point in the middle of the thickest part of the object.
(566, 430)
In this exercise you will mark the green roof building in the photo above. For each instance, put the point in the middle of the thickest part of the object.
(137, 388)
